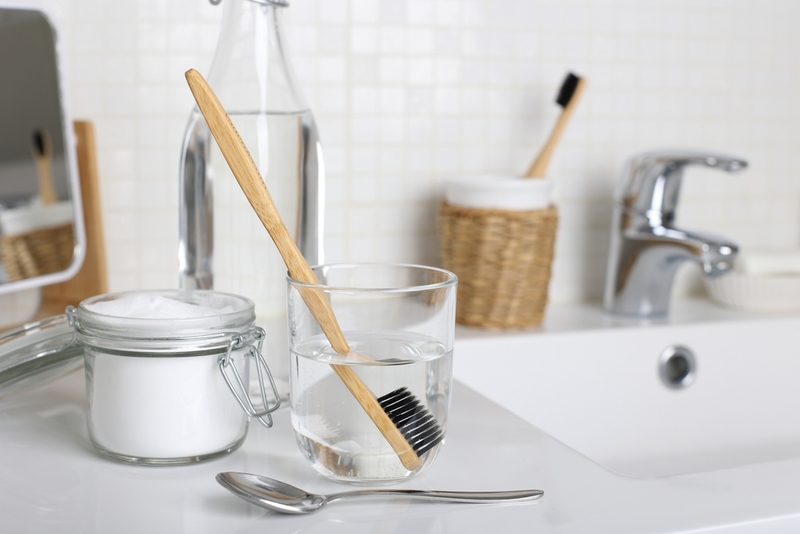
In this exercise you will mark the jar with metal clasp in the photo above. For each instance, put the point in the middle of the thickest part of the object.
(167, 372)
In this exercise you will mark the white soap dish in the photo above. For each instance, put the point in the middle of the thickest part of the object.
(756, 293)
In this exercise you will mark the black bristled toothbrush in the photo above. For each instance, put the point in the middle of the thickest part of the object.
(567, 98)
(404, 421)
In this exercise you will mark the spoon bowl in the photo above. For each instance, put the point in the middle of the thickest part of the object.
(286, 499)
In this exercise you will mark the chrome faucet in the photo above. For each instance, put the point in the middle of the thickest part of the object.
(646, 249)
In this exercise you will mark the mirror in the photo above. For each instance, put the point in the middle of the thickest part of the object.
(41, 228)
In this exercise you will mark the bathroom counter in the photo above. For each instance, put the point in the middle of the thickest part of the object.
(580, 317)
(52, 480)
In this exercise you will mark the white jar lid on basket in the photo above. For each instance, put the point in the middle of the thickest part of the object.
(502, 192)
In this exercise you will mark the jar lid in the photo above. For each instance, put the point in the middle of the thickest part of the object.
(164, 313)
(37, 353)
(176, 321)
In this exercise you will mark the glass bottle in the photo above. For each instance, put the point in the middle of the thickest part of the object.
(222, 244)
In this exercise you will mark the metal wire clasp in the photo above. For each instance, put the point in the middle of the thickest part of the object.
(238, 342)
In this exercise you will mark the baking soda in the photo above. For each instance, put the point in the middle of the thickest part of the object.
(156, 399)
(148, 407)
(154, 306)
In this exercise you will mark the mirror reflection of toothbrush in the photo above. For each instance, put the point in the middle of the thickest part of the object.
(42, 150)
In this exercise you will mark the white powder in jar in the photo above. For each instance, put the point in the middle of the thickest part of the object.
(154, 306)
(156, 405)
(162, 407)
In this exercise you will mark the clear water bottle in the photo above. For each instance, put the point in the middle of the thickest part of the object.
(222, 243)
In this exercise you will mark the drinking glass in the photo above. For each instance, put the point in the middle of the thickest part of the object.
(399, 321)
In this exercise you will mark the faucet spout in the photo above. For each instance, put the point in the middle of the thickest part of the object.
(715, 254)
(641, 275)
(646, 249)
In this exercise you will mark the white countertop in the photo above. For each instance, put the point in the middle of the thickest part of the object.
(52, 480)
(577, 317)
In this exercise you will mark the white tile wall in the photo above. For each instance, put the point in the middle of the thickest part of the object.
(410, 93)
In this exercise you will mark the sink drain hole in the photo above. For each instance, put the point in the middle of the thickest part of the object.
(677, 367)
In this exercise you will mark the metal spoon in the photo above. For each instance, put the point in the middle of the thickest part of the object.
(281, 497)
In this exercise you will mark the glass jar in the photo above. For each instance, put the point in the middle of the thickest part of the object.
(153, 362)
(152, 384)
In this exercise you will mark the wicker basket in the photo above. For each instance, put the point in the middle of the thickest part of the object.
(39, 252)
(502, 260)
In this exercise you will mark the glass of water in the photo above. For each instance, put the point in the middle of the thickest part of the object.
(399, 321)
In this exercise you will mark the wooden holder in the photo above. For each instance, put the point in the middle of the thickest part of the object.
(92, 278)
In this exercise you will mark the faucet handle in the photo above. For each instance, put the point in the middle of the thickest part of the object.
(650, 181)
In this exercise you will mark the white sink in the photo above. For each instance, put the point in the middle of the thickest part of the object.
(595, 386)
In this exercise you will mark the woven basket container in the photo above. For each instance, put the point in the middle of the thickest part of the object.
(502, 260)
(44, 251)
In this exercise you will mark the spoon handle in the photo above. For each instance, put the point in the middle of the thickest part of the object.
(447, 496)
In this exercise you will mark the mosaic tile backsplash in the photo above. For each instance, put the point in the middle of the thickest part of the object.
(411, 93)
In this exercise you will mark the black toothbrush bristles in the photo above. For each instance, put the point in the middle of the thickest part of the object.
(38, 142)
(412, 419)
(567, 90)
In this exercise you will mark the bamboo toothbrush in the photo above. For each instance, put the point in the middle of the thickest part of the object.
(41, 147)
(410, 437)
(567, 98)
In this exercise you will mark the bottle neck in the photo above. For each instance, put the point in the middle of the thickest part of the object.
(250, 71)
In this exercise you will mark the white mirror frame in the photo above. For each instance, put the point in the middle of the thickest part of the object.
(70, 157)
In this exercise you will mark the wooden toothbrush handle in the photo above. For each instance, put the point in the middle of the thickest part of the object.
(244, 169)
(246, 173)
(539, 166)
(44, 169)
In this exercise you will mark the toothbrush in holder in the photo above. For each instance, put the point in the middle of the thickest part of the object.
(568, 96)
(407, 425)
(42, 150)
